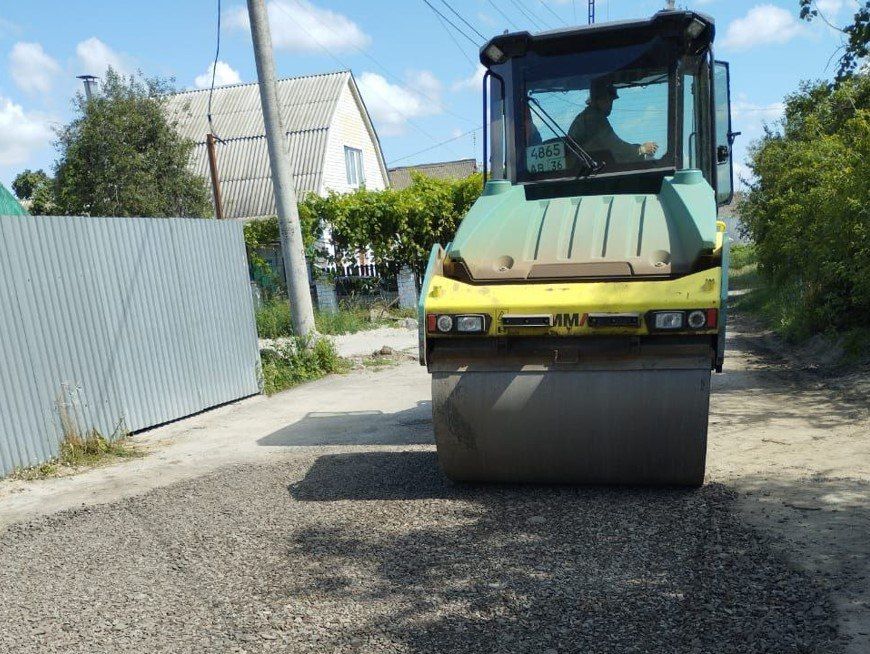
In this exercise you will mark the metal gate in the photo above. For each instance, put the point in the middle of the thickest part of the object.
(118, 323)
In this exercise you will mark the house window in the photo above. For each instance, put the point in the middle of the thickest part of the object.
(354, 166)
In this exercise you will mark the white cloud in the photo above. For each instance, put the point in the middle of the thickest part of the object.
(21, 133)
(829, 8)
(300, 26)
(472, 82)
(392, 105)
(95, 57)
(749, 117)
(224, 75)
(31, 68)
(761, 25)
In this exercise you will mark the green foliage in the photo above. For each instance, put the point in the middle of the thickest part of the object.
(808, 211)
(742, 255)
(263, 233)
(120, 156)
(856, 47)
(396, 225)
(274, 321)
(294, 363)
(27, 181)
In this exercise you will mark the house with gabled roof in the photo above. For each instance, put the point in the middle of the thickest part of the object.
(331, 142)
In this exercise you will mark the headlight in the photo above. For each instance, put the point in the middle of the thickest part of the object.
(469, 323)
(697, 319)
(444, 323)
(668, 319)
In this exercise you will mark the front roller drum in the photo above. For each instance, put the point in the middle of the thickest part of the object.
(646, 427)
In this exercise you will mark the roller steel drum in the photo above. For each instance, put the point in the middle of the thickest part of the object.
(643, 426)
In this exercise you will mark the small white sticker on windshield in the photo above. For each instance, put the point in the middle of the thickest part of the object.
(545, 157)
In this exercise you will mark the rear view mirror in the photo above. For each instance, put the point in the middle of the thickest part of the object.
(723, 152)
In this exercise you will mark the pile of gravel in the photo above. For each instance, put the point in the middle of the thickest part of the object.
(372, 551)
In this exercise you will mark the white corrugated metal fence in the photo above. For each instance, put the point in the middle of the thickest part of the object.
(112, 322)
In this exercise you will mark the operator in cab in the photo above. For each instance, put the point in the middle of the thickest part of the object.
(594, 133)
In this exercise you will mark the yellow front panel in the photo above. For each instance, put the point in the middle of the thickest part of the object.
(698, 291)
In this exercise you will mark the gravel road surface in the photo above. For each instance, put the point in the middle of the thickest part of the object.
(372, 551)
(317, 521)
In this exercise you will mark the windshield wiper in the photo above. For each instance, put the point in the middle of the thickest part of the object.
(592, 166)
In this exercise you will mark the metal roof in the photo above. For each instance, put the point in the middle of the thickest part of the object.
(400, 177)
(9, 206)
(307, 107)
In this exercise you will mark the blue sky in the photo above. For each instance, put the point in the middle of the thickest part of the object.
(420, 86)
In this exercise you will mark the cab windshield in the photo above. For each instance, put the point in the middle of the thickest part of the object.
(599, 111)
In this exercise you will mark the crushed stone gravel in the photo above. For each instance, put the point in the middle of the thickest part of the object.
(372, 550)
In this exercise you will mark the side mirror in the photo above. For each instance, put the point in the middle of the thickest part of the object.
(722, 154)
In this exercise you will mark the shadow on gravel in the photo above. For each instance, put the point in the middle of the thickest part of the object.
(500, 568)
(409, 427)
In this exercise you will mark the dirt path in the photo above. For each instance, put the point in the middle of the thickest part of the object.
(316, 519)
(795, 443)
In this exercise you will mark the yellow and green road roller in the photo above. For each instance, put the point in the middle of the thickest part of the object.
(572, 324)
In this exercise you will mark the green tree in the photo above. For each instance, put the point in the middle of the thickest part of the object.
(808, 209)
(857, 33)
(120, 156)
(27, 181)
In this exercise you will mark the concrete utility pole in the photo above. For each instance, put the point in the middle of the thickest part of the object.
(292, 249)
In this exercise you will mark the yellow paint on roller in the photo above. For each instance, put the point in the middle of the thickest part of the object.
(697, 291)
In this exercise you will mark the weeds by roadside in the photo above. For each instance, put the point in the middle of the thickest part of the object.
(293, 363)
(273, 319)
(81, 451)
(780, 307)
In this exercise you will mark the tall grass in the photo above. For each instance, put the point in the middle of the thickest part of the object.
(273, 320)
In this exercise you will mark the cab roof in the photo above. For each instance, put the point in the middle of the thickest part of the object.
(666, 23)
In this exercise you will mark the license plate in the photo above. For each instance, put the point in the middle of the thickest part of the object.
(545, 158)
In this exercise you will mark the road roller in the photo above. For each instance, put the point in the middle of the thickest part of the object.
(572, 325)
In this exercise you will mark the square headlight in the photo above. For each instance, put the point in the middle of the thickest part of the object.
(469, 324)
(668, 319)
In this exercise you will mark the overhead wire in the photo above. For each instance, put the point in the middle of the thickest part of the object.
(460, 17)
(504, 15)
(452, 24)
(455, 41)
(437, 145)
(217, 53)
(346, 67)
(531, 17)
(555, 15)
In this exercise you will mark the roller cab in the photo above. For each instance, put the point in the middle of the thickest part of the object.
(572, 324)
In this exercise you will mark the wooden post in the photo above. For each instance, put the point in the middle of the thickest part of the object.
(215, 180)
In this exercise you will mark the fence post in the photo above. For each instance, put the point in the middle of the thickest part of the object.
(406, 280)
(327, 300)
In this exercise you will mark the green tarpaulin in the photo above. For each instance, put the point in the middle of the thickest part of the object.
(9, 206)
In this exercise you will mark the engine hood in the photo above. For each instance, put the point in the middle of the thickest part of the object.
(505, 237)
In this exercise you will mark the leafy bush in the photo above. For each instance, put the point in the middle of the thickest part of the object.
(396, 225)
(808, 211)
(742, 255)
(273, 320)
(293, 364)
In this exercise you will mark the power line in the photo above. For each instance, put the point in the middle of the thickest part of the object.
(432, 7)
(346, 67)
(557, 16)
(459, 16)
(504, 15)
(217, 53)
(453, 38)
(437, 145)
(536, 22)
